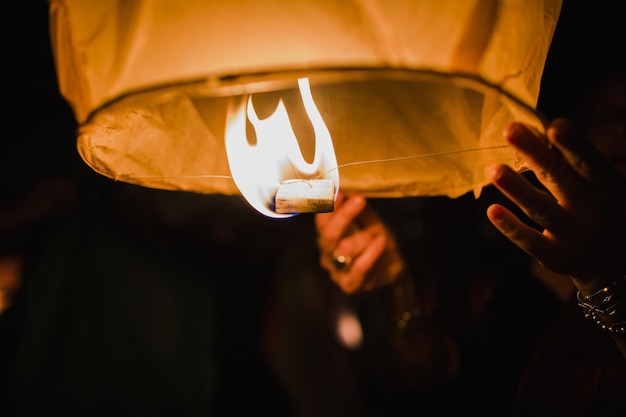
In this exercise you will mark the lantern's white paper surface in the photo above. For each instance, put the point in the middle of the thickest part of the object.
(415, 93)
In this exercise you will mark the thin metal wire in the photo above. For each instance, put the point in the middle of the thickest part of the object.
(374, 161)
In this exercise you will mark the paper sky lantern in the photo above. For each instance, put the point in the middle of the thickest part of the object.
(387, 98)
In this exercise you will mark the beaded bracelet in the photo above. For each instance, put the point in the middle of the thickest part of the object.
(607, 311)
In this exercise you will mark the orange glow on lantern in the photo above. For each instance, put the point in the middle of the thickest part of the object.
(410, 96)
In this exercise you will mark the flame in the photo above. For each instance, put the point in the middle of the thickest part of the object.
(258, 169)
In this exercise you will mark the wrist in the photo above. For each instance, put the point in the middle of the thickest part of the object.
(606, 306)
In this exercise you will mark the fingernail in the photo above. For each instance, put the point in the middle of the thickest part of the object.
(357, 200)
(495, 212)
(512, 132)
(495, 172)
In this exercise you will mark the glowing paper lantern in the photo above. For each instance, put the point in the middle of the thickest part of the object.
(411, 96)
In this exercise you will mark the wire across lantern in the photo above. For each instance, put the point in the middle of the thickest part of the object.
(384, 98)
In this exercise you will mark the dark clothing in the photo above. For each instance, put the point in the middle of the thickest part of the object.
(576, 370)
(118, 316)
(107, 327)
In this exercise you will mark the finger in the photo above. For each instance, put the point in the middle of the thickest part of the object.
(550, 168)
(527, 238)
(348, 279)
(353, 244)
(335, 225)
(370, 228)
(538, 205)
(586, 160)
(337, 221)
(369, 219)
(369, 255)
(322, 218)
(355, 278)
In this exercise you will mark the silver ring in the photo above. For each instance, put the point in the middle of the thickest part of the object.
(341, 262)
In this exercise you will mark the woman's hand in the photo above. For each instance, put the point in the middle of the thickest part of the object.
(581, 216)
(356, 248)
